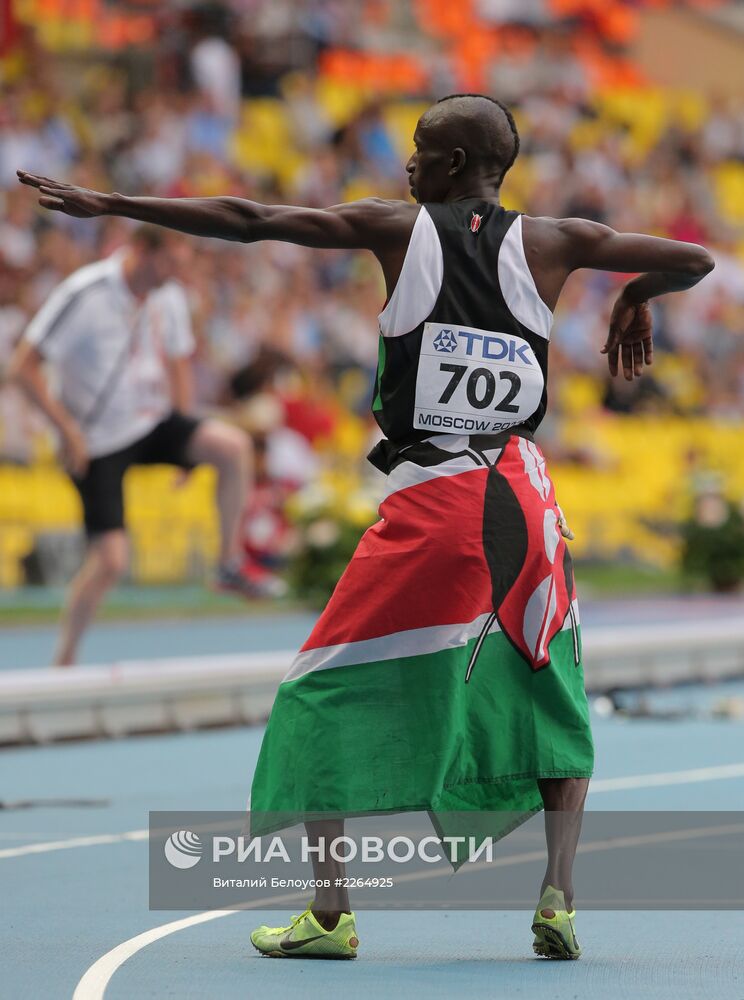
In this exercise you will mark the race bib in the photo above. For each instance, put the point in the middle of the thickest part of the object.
(474, 380)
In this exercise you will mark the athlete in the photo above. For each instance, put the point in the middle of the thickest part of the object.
(445, 673)
(117, 337)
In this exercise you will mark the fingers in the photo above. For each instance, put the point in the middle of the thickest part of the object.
(562, 525)
(626, 353)
(37, 181)
(54, 203)
(51, 198)
(612, 359)
(638, 359)
(634, 355)
(565, 530)
(30, 179)
(632, 339)
(182, 478)
(614, 337)
(76, 465)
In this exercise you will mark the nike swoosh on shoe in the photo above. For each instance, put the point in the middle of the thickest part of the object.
(289, 945)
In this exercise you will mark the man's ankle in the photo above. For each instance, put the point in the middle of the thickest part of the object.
(567, 893)
(328, 919)
(64, 657)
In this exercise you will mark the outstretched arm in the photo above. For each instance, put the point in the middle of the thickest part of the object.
(556, 247)
(370, 224)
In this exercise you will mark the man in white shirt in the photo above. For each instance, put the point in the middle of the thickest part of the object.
(117, 338)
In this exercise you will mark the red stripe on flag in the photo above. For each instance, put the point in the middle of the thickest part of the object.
(422, 565)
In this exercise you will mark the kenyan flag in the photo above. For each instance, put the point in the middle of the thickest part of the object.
(445, 673)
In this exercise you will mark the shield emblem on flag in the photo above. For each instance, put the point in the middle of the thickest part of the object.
(475, 222)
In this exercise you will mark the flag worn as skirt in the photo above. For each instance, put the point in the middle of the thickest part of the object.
(445, 673)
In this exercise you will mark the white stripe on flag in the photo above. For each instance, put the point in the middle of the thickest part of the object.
(411, 642)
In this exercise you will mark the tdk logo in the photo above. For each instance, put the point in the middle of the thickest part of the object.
(481, 345)
(445, 341)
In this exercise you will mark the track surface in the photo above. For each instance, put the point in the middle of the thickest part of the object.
(71, 906)
(65, 908)
(33, 646)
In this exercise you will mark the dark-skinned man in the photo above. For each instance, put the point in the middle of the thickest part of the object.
(445, 673)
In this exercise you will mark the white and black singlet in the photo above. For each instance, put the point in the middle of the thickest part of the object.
(464, 335)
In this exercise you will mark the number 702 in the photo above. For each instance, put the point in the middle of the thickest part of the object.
(481, 393)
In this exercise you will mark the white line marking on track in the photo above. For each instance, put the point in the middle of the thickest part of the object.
(662, 778)
(63, 845)
(93, 984)
(95, 981)
(659, 779)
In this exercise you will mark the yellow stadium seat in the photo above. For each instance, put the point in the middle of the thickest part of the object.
(15, 542)
(263, 141)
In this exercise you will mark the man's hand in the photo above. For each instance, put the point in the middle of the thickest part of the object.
(630, 338)
(74, 451)
(79, 202)
(182, 478)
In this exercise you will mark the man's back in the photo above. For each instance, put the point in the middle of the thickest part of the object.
(464, 335)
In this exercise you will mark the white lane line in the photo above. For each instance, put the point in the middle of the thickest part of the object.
(661, 778)
(63, 845)
(95, 981)
(93, 984)
(92, 841)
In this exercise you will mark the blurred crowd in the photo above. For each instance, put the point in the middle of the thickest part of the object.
(287, 337)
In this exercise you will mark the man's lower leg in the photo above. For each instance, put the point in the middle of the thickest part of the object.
(331, 901)
(563, 799)
(228, 450)
(103, 565)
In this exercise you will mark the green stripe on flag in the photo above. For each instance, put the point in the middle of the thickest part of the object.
(409, 734)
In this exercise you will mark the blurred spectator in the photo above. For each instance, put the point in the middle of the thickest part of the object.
(215, 70)
(137, 125)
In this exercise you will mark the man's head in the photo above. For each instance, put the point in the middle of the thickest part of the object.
(156, 256)
(464, 143)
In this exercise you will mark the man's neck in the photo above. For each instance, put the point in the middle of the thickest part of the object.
(482, 188)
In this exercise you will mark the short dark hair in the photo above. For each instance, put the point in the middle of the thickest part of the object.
(149, 236)
(510, 154)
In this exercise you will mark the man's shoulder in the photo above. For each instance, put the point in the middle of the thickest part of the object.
(170, 293)
(385, 204)
(171, 302)
(381, 208)
(542, 223)
(571, 226)
(62, 304)
(545, 233)
(88, 275)
(382, 225)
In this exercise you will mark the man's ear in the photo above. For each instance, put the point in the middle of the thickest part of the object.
(458, 161)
